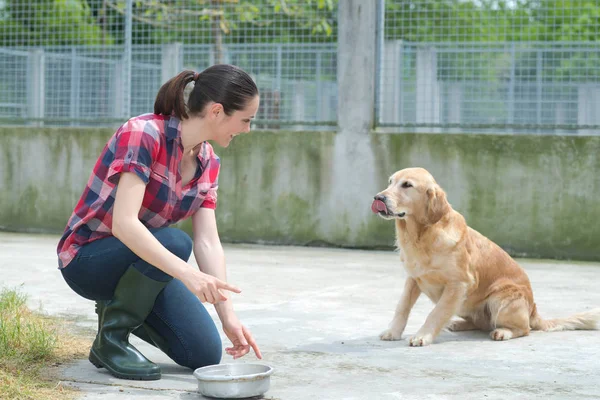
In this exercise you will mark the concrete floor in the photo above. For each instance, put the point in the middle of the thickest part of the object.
(317, 313)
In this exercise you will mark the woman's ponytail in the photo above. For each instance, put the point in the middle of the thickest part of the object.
(169, 100)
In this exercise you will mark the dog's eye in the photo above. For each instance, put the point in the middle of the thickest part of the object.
(406, 185)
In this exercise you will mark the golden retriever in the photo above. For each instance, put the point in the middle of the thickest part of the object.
(460, 270)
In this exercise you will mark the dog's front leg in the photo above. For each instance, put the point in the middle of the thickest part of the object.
(452, 297)
(407, 301)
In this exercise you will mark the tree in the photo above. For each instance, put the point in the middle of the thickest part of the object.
(69, 22)
(493, 20)
(47, 22)
(467, 22)
(229, 21)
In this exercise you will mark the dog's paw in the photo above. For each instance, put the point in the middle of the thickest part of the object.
(454, 326)
(390, 334)
(420, 340)
(501, 334)
(460, 325)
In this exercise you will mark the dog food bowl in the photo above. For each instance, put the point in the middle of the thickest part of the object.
(233, 381)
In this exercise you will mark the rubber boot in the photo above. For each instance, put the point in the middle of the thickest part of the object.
(144, 331)
(149, 335)
(133, 300)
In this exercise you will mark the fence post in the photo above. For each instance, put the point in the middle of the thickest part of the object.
(319, 114)
(587, 105)
(298, 110)
(171, 61)
(390, 94)
(399, 89)
(511, 85)
(75, 87)
(539, 88)
(118, 102)
(454, 102)
(427, 90)
(356, 65)
(278, 67)
(380, 58)
(35, 85)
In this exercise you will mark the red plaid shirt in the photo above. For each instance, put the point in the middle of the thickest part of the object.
(149, 146)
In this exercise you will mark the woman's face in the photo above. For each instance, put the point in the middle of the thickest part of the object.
(229, 126)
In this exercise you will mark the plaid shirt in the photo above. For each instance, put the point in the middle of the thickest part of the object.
(150, 147)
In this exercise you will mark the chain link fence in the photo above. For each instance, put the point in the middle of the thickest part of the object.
(443, 65)
(518, 65)
(90, 62)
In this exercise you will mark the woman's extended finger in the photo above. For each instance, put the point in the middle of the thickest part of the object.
(252, 342)
(227, 286)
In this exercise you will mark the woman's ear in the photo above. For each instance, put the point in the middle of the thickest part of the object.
(216, 109)
(437, 204)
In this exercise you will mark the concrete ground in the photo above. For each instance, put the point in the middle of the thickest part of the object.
(316, 314)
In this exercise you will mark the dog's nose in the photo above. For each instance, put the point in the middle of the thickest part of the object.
(380, 197)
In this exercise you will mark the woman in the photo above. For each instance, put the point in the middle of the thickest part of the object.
(119, 250)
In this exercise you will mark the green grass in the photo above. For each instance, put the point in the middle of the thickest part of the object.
(23, 338)
(30, 344)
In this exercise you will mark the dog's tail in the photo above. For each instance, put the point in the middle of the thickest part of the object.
(587, 320)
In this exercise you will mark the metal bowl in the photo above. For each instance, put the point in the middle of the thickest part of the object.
(233, 381)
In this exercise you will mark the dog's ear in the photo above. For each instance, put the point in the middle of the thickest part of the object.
(437, 204)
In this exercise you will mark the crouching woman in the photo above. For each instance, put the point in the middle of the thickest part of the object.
(120, 250)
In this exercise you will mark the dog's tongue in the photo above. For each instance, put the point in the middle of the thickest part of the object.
(378, 206)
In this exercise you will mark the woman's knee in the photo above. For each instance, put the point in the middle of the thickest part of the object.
(196, 351)
(176, 241)
(207, 354)
(193, 337)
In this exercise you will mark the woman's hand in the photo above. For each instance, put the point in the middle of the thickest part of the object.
(240, 337)
(206, 287)
(211, 260)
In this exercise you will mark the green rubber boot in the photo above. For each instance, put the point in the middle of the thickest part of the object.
(133, 300)
(144, 331)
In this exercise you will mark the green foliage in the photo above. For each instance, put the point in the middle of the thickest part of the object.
(501, 26)
(223, 21)
(493, 20)
(566, 20)
(48, 22)
(72, 22)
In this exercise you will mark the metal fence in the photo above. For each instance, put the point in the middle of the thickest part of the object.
(443, 65)
(522, 86)
(508, 66)
(91, 62)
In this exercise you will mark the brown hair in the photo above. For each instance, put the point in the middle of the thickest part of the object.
(225, 84)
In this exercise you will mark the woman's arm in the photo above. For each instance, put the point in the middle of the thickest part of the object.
(209, 251)
(127, 227)
(211, 260)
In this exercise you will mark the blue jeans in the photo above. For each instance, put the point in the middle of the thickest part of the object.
(178, 315)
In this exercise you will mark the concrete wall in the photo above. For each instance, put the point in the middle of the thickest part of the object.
(535, 196)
